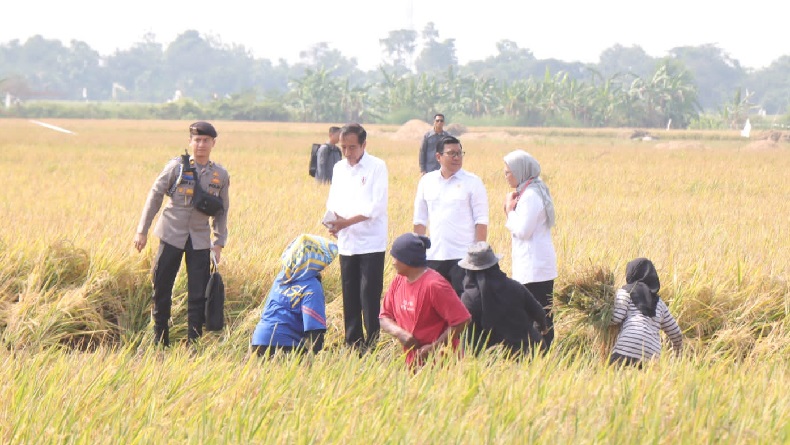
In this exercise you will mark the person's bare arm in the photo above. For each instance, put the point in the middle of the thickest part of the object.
(481, 232)
(446, 338)
(405, 338)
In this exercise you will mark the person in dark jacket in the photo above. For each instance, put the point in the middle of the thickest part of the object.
(327, 156)
(503, 310)
(428, 161)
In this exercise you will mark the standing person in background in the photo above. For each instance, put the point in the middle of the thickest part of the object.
(642, 313)
(530, 217)
(456, 204)
(328, 155)
(184, 231)
(358, 202)
(428, 161)
(420, 309)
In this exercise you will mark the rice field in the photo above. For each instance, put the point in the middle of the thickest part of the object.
(709, 209)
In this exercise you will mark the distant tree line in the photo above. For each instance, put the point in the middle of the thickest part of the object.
(419, 75)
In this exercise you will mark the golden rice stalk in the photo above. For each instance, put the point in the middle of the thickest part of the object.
(589, 297)
(584, 307)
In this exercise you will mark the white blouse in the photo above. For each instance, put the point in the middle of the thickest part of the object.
(534, 258)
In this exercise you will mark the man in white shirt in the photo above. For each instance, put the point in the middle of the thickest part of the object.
(358, 198)
(456, 204)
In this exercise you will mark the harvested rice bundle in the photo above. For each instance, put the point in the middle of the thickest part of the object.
(588, 301)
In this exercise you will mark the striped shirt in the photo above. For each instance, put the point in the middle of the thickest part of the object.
(639, 336)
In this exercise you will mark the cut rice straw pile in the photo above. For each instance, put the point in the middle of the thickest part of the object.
(584, 308)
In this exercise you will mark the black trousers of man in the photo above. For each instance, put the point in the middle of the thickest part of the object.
(362, 278)
(168, 261)
(543, 291)
(451, 272)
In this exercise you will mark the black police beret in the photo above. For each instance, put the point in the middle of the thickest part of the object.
(203, 129)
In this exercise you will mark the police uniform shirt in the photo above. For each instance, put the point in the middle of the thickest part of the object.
(179, 219)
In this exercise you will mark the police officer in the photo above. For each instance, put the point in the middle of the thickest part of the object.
(185, 231)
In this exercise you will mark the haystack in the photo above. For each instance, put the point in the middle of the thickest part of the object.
(412, 130)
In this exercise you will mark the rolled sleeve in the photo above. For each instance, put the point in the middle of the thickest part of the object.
(479, 203)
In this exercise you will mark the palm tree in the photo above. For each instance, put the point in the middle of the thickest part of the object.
(666, 96)
(736, 112)
(314, 96)
(354, 102)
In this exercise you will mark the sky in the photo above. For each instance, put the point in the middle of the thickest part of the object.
(753, 32)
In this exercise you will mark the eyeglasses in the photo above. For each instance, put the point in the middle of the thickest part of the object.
(455, 154)
(439, 120)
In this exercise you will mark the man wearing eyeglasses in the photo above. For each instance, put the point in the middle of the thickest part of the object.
(455, 204)
(428, 162)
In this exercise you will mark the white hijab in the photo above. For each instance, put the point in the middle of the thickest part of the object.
(526, 170)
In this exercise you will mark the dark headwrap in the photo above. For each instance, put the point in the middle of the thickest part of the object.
(642, 285)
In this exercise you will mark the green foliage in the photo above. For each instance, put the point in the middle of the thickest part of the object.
(707, 122)
(327, 87)
(40, 68)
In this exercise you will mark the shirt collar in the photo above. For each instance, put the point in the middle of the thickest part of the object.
(209, 164)
(363, 161)
(459, 174)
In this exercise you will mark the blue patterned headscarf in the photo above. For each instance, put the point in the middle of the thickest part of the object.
(305, 257)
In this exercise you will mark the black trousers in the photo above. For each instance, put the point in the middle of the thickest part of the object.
(543, 291)
(168, 261)
(622, 360)
(269, 351)
(362, 277)
(451, 272)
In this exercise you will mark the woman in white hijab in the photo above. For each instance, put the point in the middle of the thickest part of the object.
(530, 217)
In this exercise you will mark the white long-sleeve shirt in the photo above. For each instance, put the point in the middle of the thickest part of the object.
(534, 258)
(360, 190)
(453, 207)
(638, 336)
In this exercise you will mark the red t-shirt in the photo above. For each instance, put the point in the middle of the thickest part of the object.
(425, 308)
